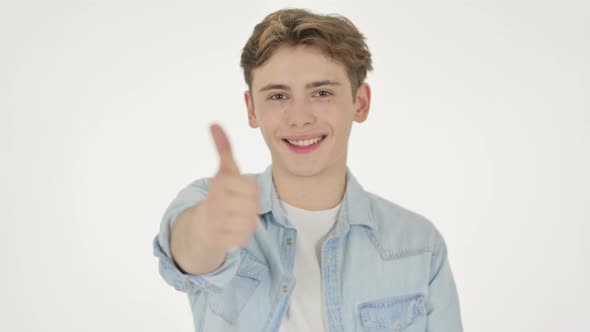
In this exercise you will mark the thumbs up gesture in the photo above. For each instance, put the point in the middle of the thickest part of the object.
(232, 206)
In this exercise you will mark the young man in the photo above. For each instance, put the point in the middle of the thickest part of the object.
(301, 246)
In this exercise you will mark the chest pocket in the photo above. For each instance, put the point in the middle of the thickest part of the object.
(392, 314)
(234, 296)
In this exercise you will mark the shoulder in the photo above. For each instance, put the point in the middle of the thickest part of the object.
(400, 231)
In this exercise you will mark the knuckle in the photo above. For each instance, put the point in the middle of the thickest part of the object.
(244, 240)
(254, 185)
(253, 224)
(214, 180)
(253, 211)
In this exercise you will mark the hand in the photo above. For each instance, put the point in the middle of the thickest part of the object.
(232, 205)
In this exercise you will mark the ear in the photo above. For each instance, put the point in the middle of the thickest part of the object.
(250, 107)
(362, 103)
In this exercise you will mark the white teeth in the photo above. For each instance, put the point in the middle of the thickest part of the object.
(305, 142)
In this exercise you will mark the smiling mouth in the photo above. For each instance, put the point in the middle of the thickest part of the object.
(305, 143)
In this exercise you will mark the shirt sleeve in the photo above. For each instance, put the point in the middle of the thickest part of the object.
(443, 306)
(169, 270)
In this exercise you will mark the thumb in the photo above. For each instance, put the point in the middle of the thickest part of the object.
(227, 163)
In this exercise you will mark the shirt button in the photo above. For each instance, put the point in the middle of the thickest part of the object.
(285, 288)
(396, 324)
(329, 259)
(289, 241)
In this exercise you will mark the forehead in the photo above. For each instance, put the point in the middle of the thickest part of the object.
(296, 66)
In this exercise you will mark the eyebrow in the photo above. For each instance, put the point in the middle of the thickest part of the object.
(310, 85)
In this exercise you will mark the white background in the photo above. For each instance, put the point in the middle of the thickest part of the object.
(480, 121)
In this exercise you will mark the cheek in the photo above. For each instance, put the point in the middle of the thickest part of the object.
(334, 105)
(269, 119)
(339, 115)
(268, 122)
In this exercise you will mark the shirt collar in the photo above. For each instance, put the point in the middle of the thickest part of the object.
(355, 208)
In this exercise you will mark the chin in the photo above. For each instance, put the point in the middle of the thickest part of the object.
(306, 167)
(294, 169)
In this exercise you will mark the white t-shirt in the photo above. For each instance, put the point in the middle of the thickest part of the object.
(305, 311)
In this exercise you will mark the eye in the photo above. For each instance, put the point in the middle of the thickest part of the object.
(324, 93)
(278, 96)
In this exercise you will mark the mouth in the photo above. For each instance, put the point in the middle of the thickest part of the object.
(304, 146)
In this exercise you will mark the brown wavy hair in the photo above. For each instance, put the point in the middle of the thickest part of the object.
(334, 34)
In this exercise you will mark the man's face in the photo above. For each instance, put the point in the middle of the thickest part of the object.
(299, 91)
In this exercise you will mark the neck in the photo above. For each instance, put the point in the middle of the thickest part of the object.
(321, 191)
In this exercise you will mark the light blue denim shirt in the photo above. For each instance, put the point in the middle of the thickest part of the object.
(384, 268)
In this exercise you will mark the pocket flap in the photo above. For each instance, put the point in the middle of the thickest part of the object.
(393, 312)
(235, 295)
(251, 267)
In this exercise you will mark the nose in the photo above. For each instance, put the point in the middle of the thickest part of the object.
(299, 113)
